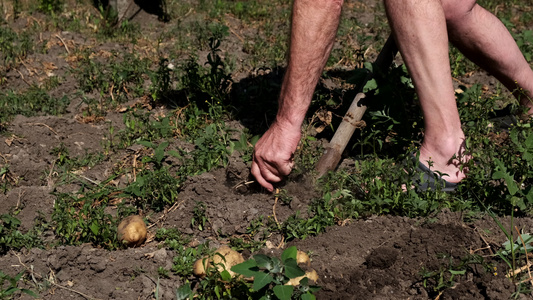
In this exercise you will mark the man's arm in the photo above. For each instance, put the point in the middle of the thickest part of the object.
(313, 30)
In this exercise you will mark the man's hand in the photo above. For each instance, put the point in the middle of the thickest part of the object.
(273, 154)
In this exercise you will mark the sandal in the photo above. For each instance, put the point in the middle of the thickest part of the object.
(425, 179)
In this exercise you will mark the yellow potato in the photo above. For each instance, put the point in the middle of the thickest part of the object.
(199, 267)
(132, 231)
(302, 258)
(312, 275)
(224, 258)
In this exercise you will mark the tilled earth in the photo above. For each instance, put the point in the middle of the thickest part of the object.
(380, 257)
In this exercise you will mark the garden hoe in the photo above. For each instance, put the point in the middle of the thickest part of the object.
(333, 152)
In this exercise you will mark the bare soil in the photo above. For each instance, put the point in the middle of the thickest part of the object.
(378, 257)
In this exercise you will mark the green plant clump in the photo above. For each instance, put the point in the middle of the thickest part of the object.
(50, 6)
(445, 277)
(154, 187)
(271, 276)
(82, 218)
(116, 80)
(13, 48)
(29, 103)
(9, 286)
(12, 239)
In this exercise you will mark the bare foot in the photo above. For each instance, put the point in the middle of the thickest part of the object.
(450, 164)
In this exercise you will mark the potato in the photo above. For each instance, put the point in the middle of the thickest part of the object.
(312, 275)
(302, 258)
(231, 258)
(199, 267)
(132, 231)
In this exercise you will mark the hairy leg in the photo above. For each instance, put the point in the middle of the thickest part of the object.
(483, 38)
(419, 27)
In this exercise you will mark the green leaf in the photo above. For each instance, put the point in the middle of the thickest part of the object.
(461, 272)
(498, 175)
(10, 291)
(263, 261)
(283, 292)
(308, 296)
(29, 292)
(529, 195)
(225, 275)
(276, 265)
(304, 281)
(370, 85)
(511, 185)
(146, 144)
(94, 228)
(184, 292)
(254, 139)
(368, 65)
(261, 280)
(248, 268)
(292, 270)
(529, 141)
(289, 253)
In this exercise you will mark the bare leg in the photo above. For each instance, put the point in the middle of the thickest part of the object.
(484, 39)
(419, 27)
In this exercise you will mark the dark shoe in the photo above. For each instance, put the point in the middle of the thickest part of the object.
(425, 179)
(503, 119)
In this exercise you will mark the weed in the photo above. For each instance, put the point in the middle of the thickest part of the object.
(17, 8)
(140, 127)
(510, 250)
(82, 218)
(109, 26)
(185, 258)
(460, 65)
(211, 84)
(32, 102)
(12, 239)
(307, 156)
(50, 6)
(199, 216)
(116, 80)
(258, 229)
(7, 179)
(172, 237)
(283, 197)
(14, 47)
(212, 140)
(301, 227)
(9, 286)
(447, 274)
(212, 149)
(154, 187)
(238, 244)
(161, 81)
(162, 272)
(66, 166)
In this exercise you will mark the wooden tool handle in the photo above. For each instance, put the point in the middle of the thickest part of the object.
(333, 152)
